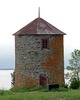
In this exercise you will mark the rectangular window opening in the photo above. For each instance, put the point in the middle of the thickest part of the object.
(45, 43)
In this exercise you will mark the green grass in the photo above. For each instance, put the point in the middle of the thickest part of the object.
(39, 88)
(60, 94)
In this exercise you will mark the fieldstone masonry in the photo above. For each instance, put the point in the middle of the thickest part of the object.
(33, 62)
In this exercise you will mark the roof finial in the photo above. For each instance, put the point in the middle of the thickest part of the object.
(38, 12)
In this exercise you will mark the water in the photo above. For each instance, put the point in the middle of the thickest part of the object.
(5, 79)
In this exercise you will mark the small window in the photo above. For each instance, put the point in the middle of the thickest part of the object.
(45, 43)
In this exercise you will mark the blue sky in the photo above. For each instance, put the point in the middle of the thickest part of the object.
(14, 14)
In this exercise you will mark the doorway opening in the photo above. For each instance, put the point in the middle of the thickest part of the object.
(43, 80)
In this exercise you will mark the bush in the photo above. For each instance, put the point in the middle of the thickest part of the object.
(74, 83)
(2, 92)
(13, 78)
(66, 86)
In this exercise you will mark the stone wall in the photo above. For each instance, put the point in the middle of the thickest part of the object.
(31, 61)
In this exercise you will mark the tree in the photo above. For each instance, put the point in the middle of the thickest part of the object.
(74, 63)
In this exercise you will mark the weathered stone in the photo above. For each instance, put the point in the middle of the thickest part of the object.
(32, 61)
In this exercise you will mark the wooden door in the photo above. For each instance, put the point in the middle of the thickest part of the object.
(43, 80)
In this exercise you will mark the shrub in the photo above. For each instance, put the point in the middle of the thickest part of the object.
(13, 78)
(66, 86)
(2, 92)
(74, 83)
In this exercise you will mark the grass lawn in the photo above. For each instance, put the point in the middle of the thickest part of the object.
(39, 95)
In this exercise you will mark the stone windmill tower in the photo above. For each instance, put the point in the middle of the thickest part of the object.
(39, 54)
